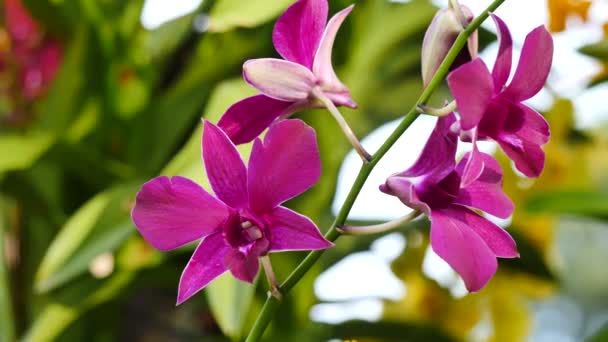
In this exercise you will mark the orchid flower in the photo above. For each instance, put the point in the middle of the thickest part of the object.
(465, 240)
(245, 221)
(304, 79)
(489, 109)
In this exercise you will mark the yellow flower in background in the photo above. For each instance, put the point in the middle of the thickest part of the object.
(499, 313)
(560, 10)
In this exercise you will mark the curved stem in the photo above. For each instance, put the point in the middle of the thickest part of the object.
(352, 138)
(443, 111)
(272, 304)
(378, 228)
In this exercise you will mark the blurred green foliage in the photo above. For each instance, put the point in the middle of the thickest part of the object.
(126, 106)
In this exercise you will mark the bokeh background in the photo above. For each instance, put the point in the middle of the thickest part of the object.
(97, 96)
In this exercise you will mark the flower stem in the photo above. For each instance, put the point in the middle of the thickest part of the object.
(443, 111)
(343, 124)
(378, 228)
(272, 279)
(272, 304)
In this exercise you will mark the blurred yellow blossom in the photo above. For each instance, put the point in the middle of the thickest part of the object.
(560, 10)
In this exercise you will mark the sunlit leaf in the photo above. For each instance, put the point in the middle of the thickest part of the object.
(598, 50)
(97, 227)
(573, 202)
(21, 151)
(228, 14)
(229, 300)
(56, 317)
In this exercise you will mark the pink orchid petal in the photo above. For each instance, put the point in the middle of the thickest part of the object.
(437, 158)
(279, 79)
(248, 118)
(470, 244)
(535, 128)
(485, 192)
(284, 166)
(322, 67)
(402, 188)
(298, 31)
(206, 264)
(472, 87)
(171, 212)
(528, 157)
(341, 99)
(502, 67)
(474, 165)
(225, 168)
(290, 231)
(456, 243)
(497, 239)
(534, 66)
(244, 267)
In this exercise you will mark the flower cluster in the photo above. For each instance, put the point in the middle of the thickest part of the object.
(29, 59)
(245, 221)
(488, 109)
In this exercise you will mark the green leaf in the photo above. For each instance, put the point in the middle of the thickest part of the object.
(21, 151)
(57, 316)
(188, 97)
(230, 14)
(7, 327)
(99, 226)
(58, 108)
(156, 45)
(188, 163)
(579, 202)
(229, 300)
(598, 50)
(385, 331)
(600, 336)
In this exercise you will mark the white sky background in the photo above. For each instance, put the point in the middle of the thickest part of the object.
(157, 12)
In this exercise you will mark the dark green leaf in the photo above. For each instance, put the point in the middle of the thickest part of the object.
(579, 202)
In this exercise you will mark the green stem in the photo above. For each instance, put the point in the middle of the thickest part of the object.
(348, 132)
(272, 304)
(378, 228)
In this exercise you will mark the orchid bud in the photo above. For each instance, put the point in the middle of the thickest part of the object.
(441, 35)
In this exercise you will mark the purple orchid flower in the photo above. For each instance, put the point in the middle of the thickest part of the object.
(490, 109)
(245, 221)
(460, 236)
(302, 80)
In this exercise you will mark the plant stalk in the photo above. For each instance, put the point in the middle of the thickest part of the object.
(348, 132)
(378, 228)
